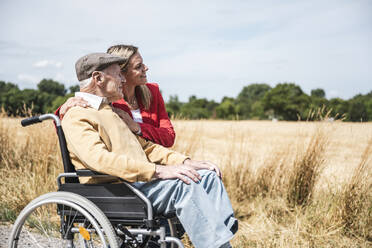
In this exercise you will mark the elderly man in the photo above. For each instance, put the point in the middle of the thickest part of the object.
(99, 140)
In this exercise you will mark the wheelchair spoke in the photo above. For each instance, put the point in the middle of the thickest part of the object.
(58, 226)
(33, 239)
(42, 229)
(69, 225)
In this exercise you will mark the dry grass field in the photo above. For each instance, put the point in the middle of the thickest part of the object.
(292, 184)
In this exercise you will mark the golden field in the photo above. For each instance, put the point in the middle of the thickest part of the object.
(292, 184)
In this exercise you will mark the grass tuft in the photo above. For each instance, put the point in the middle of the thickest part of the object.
(356, 200)
(306, 170)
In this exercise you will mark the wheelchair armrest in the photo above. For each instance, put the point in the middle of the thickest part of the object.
(79, 173)
(89, 173)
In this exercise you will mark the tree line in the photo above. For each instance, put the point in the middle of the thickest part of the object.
(285, 101)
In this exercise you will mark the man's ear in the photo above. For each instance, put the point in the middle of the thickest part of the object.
(98, 78)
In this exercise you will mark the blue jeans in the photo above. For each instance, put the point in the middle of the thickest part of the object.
(203, 208)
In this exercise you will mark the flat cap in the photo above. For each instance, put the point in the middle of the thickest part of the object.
(89, 63)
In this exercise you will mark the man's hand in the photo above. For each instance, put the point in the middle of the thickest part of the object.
(181, 171)
(185, 171)
(199, 165)
(72, 102)
(133, 126)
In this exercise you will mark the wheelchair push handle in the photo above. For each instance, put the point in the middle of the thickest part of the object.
(67, 165)
(30, 121)
(40, 118)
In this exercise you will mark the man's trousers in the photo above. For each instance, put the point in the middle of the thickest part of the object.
(203, 208)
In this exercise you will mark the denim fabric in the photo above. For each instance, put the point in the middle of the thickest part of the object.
(203, 208)
(226, 245)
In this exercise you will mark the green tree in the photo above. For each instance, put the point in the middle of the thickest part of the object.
(358, 108)
(248, 105)
(173, 106)
(12, 101)
(49, 91)
(30, 99)
(199, 108)
(339, 107)
(51, 87)
(320, 93)
(369, 109)
(56, 103)
(227, 109)
(74, 88)
(258, 111)
(5, 87)
(19, 102)
(318, 100)
(287, 101)
(5, 94)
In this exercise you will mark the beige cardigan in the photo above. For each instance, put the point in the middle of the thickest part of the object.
(99, 140)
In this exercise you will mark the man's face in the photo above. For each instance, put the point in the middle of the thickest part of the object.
(113, 81)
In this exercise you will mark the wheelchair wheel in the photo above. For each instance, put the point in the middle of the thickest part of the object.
(62, 219)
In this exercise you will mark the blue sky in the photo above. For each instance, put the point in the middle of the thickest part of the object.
(205, 48)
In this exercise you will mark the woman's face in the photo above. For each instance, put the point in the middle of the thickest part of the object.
(136, 71)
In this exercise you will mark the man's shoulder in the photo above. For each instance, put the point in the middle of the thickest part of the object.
(79, 113)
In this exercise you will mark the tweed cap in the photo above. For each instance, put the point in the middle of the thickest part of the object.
(89, 63)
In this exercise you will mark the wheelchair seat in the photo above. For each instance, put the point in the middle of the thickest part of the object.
(116, 201)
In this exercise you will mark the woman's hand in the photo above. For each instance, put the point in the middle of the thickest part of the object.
(72, 102)
(133, 126)
(198, 165)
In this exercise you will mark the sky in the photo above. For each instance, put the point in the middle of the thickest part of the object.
(207, 48)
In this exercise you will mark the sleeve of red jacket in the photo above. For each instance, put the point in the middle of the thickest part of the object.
(164, 134)
(57, 114)
(57, 111)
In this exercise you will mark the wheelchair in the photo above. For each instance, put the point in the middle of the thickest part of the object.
(91, 215)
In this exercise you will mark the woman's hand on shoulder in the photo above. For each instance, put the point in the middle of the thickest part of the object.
(133, 126)
(72, 102)
(122, 114)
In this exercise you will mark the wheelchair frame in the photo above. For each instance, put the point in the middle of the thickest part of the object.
(116, 206)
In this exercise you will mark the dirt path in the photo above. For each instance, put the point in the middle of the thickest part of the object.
(4, 234)
(42, 241)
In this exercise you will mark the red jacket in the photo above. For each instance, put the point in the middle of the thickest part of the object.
(156, 125)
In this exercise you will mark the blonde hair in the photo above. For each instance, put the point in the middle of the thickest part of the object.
(127, 51)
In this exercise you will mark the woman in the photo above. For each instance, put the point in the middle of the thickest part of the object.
(142, 108)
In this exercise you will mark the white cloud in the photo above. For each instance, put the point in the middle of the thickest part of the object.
(47, 63)
(26, 78)
(60, 77)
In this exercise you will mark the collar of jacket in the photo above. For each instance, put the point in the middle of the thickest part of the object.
(94, 101)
